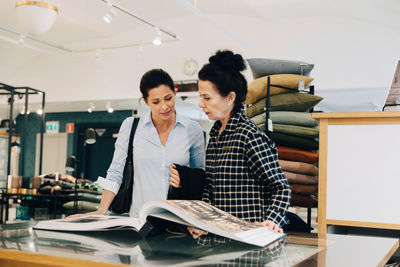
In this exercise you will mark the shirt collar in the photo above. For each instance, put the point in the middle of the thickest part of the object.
(232, 123)
(180, 120)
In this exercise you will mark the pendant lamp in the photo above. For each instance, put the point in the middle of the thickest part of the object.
(37, 17)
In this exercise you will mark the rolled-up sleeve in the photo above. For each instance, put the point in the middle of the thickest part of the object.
(113, 180)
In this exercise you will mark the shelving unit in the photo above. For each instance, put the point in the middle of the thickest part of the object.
(21, 92)
(267, 110)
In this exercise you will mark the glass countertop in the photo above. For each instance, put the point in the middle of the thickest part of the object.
(175, 249)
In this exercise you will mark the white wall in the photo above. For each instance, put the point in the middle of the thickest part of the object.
(349, 49)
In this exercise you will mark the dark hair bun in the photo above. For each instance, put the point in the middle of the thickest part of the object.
(227, 60)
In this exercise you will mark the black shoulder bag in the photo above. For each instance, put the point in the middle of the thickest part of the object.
(123, 199)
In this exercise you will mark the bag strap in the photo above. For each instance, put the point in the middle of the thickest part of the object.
(131, 137)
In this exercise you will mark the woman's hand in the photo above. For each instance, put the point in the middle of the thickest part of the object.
(100, 211)
(271, 226)
(174, 180)
(196, 232)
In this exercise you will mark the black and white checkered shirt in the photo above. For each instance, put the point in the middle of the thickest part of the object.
(243, 174)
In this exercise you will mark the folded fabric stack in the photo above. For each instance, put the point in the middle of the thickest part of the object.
(293, 128)
(302, 174)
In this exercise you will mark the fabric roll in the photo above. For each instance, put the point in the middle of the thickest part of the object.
(294, 154)
(297, 178)
(309, 201)
(298, 167)
(304, 189)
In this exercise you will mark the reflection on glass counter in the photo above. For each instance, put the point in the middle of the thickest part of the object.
(178, 249)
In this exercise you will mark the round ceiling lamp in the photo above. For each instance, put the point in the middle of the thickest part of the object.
(37, 17)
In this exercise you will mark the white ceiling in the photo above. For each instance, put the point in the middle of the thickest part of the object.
(348, 41)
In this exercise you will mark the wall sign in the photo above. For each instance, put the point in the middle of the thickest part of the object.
(52, 126)
(70, 127)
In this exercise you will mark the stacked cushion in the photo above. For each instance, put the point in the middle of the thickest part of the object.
(302, 174)
(293, 129)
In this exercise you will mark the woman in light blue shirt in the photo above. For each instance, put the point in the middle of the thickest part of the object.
(162, 138)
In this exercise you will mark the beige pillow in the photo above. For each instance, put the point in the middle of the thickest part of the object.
(297, 178)
(280, 84)
(298, 167)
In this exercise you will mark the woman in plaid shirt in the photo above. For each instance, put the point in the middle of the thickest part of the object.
(243, 176)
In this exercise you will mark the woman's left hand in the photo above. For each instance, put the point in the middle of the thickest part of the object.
(271, 226)
(174, 180)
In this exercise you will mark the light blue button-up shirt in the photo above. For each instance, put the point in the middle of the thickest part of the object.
(151, 160)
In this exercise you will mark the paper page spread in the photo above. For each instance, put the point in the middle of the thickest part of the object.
(211, 219)
(90, 223)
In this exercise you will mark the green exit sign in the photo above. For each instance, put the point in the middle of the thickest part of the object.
(52, 127)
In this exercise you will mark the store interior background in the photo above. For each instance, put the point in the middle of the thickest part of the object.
(354, 46)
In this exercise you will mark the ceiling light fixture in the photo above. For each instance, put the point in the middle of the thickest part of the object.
(109, 108)
(98, 55)
(128, 12)
(37, 17)
(90, 108)
(31, 36)
(111, 13)
(157, 39)
(21, 40)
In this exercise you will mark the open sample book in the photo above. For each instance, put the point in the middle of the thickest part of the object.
(193, 213)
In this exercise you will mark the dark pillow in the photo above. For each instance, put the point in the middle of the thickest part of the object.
(266, 66)
(285, 102)
(294, 141)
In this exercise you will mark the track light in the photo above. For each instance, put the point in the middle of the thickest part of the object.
(90, 136)
(39, 111)
(140, 50)
(111, 13)
(98, 55)
(21, 40)
(90, 108)
(109, 108)
(157, 38)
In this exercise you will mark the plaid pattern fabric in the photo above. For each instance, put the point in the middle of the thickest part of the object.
(243, 174)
